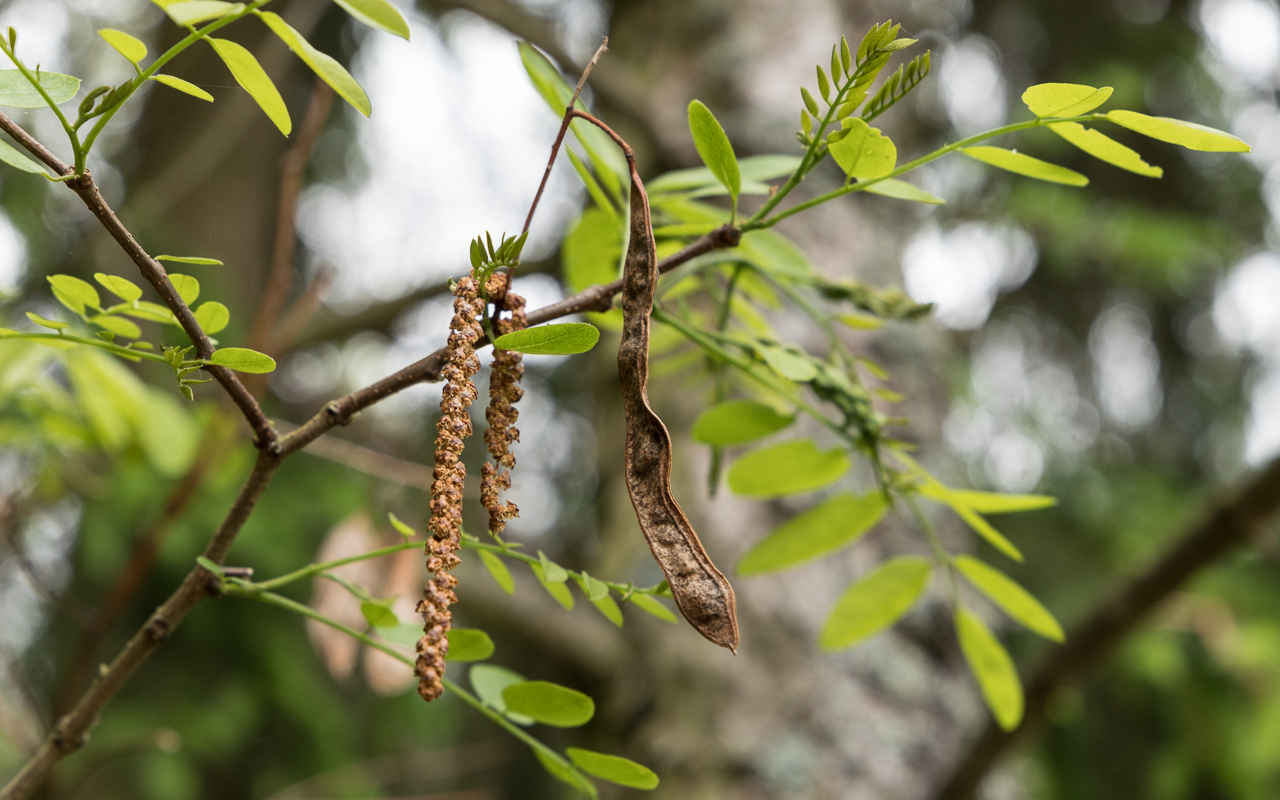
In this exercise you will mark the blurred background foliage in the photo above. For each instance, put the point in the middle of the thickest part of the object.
(1118, 347)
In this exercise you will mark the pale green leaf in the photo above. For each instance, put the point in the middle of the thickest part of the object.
(592, 251)
(559, 769)
(17, 92)
(498, 570)
(863, 152)
(792, 365)
(992, 667)
(379, 613)
(74, 293)
(652, 605)
(556, 589)
(614, 769)
(52, 324)
(124, 44)
(993, 502)
(17, 159)
(378, 14)
(117, 325)
(242, 359)
(752, 169)
(187, 286)
(329, 70)
(190, 12)
(254, 80)
(738, 422)
(183, 86)
(594, 588)
(553, 572)
(1064, 99)
(789, 468)
(123, 288)
(607, 606)
(1016, 601)
(1014, 161)
(901, 190)
(714, 148)
(468, 644)
(191, 260)
(145, 309)
(402, 528)
(213, 317)
(489, 682)
(1175, 131)
(875, 602)
(549, 703)
(598, 195)
(821, 530)
(1104, 148)
(862, 322)
(210, 565)
(567, 338)
(934, 490)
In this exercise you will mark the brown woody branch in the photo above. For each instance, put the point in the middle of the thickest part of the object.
(1227, 525)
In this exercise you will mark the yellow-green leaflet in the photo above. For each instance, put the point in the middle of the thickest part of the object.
(875, 602)
(329, 70)
(254, 80)
(124, 44)
(1176, 131)
(1005, 592)
(182, 86)
(1064, 99)
(1104, 148)
(992, 667)
(1022, 164)
(863, 152)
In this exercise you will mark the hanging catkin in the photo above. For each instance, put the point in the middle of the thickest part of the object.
(701, 592)
(446, 492)
(504, 392)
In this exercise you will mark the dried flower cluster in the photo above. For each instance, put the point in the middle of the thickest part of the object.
(504, 393)
(446, 492)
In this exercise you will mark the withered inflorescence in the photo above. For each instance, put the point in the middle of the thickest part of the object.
(504, 393)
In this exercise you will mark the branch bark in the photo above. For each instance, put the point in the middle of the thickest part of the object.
(1230, 523)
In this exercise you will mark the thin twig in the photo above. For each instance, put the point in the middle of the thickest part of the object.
(1227, 525)
(564, 128)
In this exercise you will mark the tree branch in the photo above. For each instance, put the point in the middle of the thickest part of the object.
(1228, 524)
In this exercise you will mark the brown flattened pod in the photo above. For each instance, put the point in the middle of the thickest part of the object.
(701, 592)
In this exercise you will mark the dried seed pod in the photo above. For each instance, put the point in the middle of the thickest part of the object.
(446, 492)
(701, 592)
(504, 392)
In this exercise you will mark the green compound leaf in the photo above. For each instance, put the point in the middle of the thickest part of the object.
(117, 325)
(498, 570)
(1104, 148)
(124, 44)
(714, 148)
(901, 190)
(191, 260)
(788, 468)
(652, 605)
(187, 286)
(1016, 601)
(15, 158)
(875, 602)
(469, 644)
(329, 70)
(189, 12)
(549, 703)
(1175, 131)
(213, 317)
(52, 324)
(1014, 161)
(379, 613)
(556, 589)
(377, 14)
(565, 339)
(74, 293)
(242, 359)
(254, 80)
(17, 92)
(992, 502)
(615, 769)
(609, 608)
(738, 422)
(123, 288)
(992, 667)
(817, 532)
(182, 86)
(862, 151)
(1064, 99)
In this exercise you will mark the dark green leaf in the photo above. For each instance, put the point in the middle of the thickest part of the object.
(614, 769)
(568, 338)
(1016, 601)
(17, 92)
(124, 44)
(875, 602)
(1175, 131)
(834, 524)
(379, 613)
(469, 644)
(329, 70)
(652, 605)
(789, 468)
(254, 80)
(714, 148)
(378, 14)
(212, 316)
(738, 422)
(993, 668)
(242, 359)
(183, 86)
(498, 570)
(549, 703)
(1014, 161)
